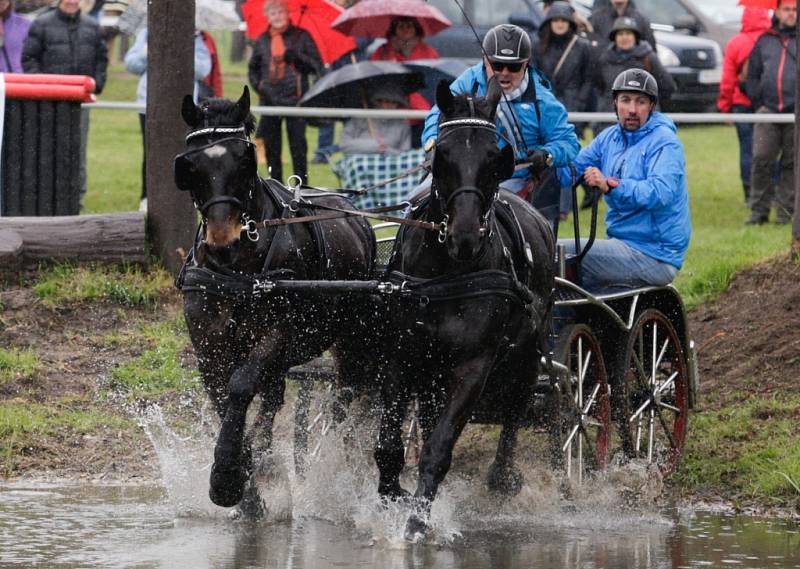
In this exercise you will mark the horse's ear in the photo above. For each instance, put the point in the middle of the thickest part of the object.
(444, 97)
(190, 112)
(242, 107)
(493, 93)
(505, 169)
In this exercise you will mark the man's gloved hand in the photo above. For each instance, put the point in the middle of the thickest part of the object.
(539, 160)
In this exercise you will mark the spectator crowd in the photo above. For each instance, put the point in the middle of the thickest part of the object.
(578, 59)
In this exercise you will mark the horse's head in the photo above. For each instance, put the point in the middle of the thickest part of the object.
(467, 166)
(219, 168)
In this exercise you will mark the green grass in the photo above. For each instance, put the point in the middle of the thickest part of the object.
(127, 286)
(157, 371)
(748, 450)
(17, 363)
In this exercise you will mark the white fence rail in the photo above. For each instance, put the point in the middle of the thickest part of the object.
(315, 112)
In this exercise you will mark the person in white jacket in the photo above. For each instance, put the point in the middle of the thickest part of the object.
(136, 63)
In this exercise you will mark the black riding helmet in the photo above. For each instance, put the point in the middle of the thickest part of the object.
(507, 43)
(638, 81)
(625, 23)
(559, 9)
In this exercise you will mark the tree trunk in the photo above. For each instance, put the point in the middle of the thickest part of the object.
(170, 76)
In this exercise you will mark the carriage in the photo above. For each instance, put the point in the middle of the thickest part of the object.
(476, 293)
(619, 383)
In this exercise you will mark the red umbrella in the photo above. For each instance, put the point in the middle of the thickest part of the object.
(314, 16)
(371, 18)
(763, 4)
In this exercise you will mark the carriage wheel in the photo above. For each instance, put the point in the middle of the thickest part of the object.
(652, 392)
(585, 409)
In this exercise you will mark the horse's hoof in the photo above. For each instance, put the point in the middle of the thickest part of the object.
(226, 486)
(506, 481)
(417, 529)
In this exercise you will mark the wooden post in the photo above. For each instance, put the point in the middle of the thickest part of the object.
(170, 76)
(795, 246)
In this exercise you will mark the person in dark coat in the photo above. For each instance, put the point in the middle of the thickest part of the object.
(283, 58)
(628, 51)
(565, 57)
(65, 42)
(606, 12)
(771, 76)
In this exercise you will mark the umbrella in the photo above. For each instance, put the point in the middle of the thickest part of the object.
(434, 70)
(764, 4)
(209, 15)
(347, 87)
(314, 16)
(371, 18)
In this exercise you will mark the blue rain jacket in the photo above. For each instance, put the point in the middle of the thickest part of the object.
(649, 210)
(553, 133)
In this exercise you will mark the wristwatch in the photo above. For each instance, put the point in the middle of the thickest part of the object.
(612, 183)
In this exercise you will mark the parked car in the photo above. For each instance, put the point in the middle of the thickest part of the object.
(695, 62)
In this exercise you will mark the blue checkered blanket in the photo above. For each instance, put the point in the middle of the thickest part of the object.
(357, 171)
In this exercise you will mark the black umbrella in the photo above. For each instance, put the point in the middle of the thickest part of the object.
(434, 70)
(349, 86)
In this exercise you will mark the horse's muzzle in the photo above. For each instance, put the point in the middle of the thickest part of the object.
(222, 233)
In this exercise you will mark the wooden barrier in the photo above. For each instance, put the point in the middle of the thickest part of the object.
(28, 242)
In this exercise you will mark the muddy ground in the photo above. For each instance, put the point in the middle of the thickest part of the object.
(749, 342)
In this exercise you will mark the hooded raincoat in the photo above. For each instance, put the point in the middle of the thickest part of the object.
(541, 117)
(755, 21)
(649, 210)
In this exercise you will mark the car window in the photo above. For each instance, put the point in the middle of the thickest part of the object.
(483, 12)
(662, 11)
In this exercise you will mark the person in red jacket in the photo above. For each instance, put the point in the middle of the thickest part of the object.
(405, 42)
(732, 98)
(212, 83)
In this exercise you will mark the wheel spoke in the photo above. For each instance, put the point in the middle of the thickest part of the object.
(666, 427)
(666, 383)
(640, 410)
(670, 407)
(651, 436)
(591, 399)
(571, 436)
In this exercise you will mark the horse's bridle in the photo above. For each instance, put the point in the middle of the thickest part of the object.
(452, 126)
(248, 224)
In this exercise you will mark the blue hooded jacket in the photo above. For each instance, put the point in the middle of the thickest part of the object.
(649, 210)
(553, 133)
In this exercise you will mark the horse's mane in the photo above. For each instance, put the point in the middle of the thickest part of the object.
(222, 112)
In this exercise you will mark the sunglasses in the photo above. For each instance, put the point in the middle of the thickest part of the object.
(512, 67)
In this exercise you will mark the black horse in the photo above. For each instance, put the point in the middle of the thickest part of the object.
(468, 335)
(245, 337)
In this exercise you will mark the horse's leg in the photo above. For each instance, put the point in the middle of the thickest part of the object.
(258, 442)
(390, 454)
(504, 477)
(231, 468)
(467, 381)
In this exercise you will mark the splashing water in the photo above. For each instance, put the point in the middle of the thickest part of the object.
(339, 486)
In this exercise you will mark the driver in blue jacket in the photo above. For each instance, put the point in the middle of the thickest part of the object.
(639, 166)
(529, 116)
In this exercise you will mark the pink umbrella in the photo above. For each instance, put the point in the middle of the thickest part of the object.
(371, 18)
